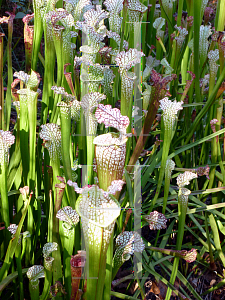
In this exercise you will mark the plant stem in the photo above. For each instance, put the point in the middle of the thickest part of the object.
(10, 72)
(1, 83)
(182, 210)
(4, 202)
(197, 23)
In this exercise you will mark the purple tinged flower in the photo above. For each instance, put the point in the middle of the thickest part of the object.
(21, 75)
(185, 178)
(12, 228)
(213, 123)
(156, 220)
(25, 192)
(182, 34)
(203, 171)
(189, 256)
(126, 60)
(111, 117)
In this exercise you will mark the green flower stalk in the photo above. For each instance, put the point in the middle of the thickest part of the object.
(168, 7)
(40, 8)
(9, 21)
(212, 124)
(14, 242)
(127, 243)
(213, 57)
(70, 219)
(110, 148)
(158, 24)
(29, 98)
(48, 260)
(28, 113)
(1, 83)
(182, 180)
(47, 98)
(65, 105)
(170, 111)
(61, 35)
(110, 154)
(34, 274)
(179, 41)
(28, 40)
(189, 256)
(135, 11)
(51, 135)
(57, 267)
(170, 165)
(13, 228)
(77, 264)
(6, 141)
(158, 91)
(26, 235)
(98, 212)
(106, 83)
(125, 61)
(89, 103)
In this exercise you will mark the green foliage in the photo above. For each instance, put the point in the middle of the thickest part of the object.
(84, 159)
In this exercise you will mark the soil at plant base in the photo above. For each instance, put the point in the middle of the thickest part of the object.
(201, 278)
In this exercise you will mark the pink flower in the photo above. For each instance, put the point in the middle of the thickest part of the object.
(156, 220)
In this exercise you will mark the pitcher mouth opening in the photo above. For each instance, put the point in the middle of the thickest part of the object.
(110, 139)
